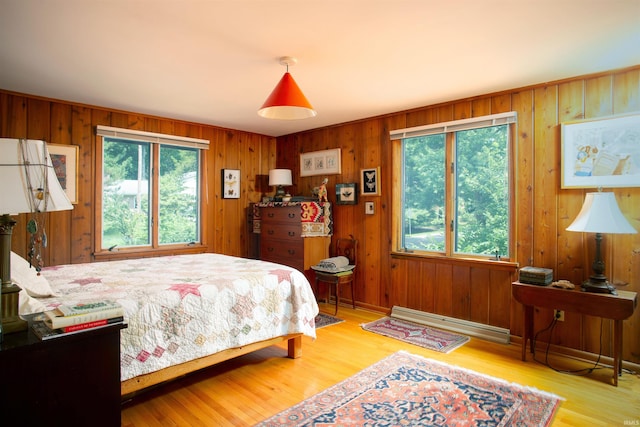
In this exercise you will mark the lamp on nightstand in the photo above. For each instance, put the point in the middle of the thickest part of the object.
(600, 214)
(279, 178)
(28, 184)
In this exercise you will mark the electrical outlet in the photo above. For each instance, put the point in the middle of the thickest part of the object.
(559, 314)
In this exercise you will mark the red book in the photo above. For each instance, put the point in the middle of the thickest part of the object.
(92, 324)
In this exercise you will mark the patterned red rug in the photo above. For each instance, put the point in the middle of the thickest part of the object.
(415, 333)
(409, 390)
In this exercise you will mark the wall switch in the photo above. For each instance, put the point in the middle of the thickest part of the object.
(559, 314)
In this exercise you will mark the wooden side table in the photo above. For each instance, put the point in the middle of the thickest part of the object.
(72, 380)
(616, 307)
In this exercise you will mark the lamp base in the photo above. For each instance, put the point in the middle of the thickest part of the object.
(11, 321)
(601, 287)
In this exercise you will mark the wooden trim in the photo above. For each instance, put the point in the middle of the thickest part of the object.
(127, 387)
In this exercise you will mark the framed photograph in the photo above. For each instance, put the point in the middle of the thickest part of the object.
(347, 194)
(601, 152)
(325, 162)
(370, 182)
(369, 208)
(65, 163)
(230, 183)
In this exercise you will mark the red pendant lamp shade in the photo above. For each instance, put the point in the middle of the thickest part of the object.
(287, 102)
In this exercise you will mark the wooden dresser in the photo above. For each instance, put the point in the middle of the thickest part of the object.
(282, 241)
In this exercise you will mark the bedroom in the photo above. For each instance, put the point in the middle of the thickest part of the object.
(383, 279)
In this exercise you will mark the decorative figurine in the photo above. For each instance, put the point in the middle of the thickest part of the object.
(322, 191)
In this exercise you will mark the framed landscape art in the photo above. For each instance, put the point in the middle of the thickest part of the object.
(65, 164)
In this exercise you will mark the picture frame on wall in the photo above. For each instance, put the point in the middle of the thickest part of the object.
(601, 152)
(347, 193)
(324, 162)
(370, 182)
(65, 164)
(230, 183)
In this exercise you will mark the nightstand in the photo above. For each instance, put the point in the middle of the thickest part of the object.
(72, 380)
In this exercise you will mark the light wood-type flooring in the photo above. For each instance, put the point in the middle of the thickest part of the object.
(248, 389)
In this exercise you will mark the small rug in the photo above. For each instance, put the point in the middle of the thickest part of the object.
(415, 333)
(323, 320)
(409, 390)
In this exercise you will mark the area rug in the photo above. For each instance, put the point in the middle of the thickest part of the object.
(323, 320)
(409, 390)
(415, 333)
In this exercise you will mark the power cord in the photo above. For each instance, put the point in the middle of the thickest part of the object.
(550, 328)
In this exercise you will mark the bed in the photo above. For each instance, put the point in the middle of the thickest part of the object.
(184, 312)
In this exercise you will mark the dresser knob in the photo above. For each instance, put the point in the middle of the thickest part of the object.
(292, 215)
(292, 233)
(270, 232)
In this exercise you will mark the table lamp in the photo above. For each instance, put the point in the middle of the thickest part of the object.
(279, 178)
(600, 214)
(28, 184)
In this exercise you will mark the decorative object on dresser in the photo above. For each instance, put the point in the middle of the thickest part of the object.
(28, 184)
(600, 214)
(286, 101)
(297, 234)
(279, 178)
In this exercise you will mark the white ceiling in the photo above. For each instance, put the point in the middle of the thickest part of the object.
(215, 62)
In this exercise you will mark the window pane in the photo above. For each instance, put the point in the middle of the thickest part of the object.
(482, 191)
(423, 213)
(125, 193)
(179, 194)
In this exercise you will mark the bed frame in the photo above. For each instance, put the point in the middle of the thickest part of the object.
(133, 385)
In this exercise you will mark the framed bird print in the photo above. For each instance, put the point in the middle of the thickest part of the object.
(370, 179)
(347, 194)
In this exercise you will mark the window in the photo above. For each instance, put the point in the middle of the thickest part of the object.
(456, 188)
(149, 190)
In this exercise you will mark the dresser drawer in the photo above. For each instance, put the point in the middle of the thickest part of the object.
(285, 214)
(281, 231)
(283, 252)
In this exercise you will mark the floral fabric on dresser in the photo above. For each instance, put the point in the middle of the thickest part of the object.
(184, 307)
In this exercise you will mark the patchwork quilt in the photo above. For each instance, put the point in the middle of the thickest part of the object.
(180, 308)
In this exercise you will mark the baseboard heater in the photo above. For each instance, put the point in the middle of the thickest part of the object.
(487, 332)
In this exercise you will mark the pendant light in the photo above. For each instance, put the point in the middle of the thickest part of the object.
(287, 102)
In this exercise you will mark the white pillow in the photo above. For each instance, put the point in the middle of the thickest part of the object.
(29, 305)
(28, 279)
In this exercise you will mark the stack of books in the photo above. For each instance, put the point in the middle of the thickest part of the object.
(70, 319)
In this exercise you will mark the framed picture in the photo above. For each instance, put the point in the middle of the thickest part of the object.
(65, 163)
(325, 162)
(230, 183)
(369, 208)
(347, 194)
(601, 152)
(370, 182)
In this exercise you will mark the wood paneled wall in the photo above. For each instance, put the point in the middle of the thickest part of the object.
(71, 233)
(482, 292)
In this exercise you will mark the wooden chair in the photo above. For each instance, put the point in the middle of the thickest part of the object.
(347, 247)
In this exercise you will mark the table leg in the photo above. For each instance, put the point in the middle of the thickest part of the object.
(617, 350)
(528, 331)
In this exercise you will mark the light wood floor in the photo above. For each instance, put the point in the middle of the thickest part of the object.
(246, 390)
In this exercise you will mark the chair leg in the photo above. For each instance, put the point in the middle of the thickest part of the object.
(353, 296)
(337, 293)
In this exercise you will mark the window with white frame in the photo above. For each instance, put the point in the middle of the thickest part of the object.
(456, 187)
(149, 189)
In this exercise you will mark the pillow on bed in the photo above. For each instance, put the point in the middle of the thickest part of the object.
(28, 279)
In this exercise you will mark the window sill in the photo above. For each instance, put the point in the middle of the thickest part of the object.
(128, 253)
(442, 259)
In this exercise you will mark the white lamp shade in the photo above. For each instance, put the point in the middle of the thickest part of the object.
(30, 186)
(280, 177)
(600, 214)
